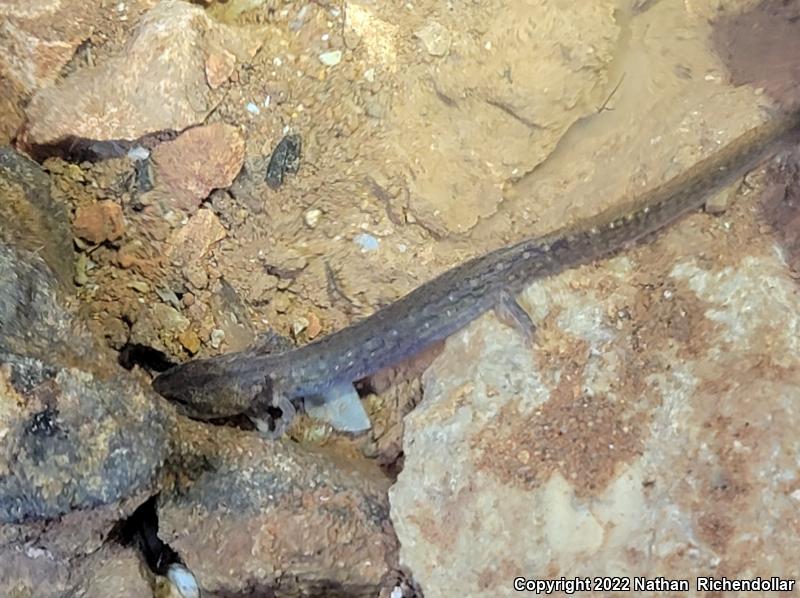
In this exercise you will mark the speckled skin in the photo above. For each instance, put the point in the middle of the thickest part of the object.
(248, 382)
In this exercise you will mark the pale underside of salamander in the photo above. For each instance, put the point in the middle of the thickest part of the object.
(322, 372)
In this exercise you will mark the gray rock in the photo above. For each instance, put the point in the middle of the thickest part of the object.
(77, 431)
(29, 218)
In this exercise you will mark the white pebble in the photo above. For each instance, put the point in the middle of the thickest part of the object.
(217, 336)
(331, 58)
(184, 581)
(312, 217)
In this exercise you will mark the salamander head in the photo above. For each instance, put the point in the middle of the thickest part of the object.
(203, 389)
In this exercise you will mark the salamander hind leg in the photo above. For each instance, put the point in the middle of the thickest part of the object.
(512, 314)
(341, 407)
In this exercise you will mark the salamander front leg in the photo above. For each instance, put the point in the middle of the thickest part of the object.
(341, 407)
(272, 412)
(512, 314)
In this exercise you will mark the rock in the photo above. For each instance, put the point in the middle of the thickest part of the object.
(99, 222)
(190, 341)
(77, 431)
(435, 38)
(137, 92)
(12, 114)
(270, 515)
(299, 325)
(29, 218)
(199, 160)
(68, 413)
(314, 326)
(39, 39)
(158, 325)
(81, 440)
(196, 275)
(42, 37)
(193, 241)
(69, 557)
(112, 571)
(652, 428)
(231, 318)
(217, 336)
(219, 67)
(379, 36)
(311, 217)
(331, 58)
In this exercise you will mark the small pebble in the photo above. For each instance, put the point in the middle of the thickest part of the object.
(217, 336)
(299, 325)
(314, 326)
(367, 242)
(139, 285)
(252, 108)
(719, 202)
(435, 37)
(168, 296)
(184, 581)
(331, 58)
(80, 270)
(190, 341)
(312, 217)
(281, 303)
(188, 299)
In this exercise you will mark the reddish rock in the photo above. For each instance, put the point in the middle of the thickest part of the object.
(192, 241)
(314, 326)
(263, 515)
(156, 83)
(219, 67)
(99, 222)
(39, 39)
(199, 160)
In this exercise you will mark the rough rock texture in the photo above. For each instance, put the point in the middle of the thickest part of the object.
(652, 428)
(75, 434)
(34, 51)
(113, 571)
(284, 518)
(198, 161)
(29, 218)
(442, 114)
(80, 440)
(99, 222)
(157, 83)
(40, 39)
(53, 558)
(651, 432)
